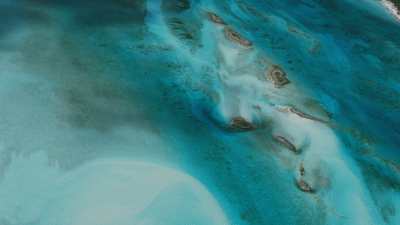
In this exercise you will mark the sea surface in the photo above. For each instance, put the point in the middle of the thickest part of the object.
(120, 112)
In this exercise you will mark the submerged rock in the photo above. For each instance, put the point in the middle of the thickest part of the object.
(175, 5)
(215, 18)
(278, 76)
(186, 31)
(304, 186)
(241, 124)
(236, 37)
(285, 142)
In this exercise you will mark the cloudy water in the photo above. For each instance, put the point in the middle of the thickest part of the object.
(177, 112)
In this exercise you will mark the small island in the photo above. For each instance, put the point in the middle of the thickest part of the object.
(215, 18)
(278, 76)
(286, 143)
(236, 37)
(393, 6)
(241, 124)
(304, 186)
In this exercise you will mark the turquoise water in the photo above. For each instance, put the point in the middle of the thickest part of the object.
(117, 113)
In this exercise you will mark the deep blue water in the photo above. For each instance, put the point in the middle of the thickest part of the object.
(118, 113)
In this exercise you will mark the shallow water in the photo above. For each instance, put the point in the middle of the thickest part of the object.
(118, 112)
